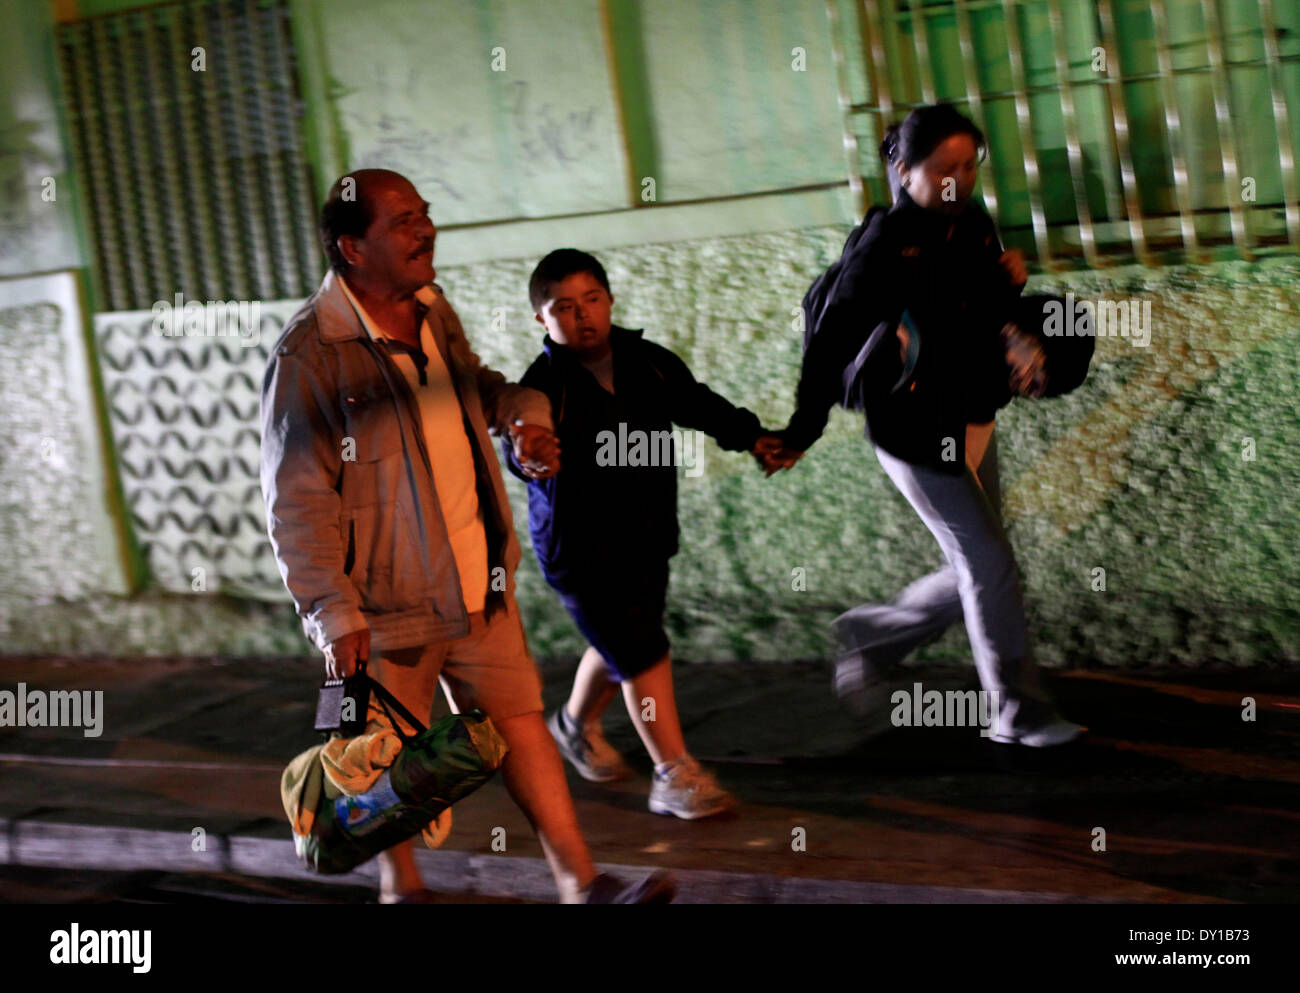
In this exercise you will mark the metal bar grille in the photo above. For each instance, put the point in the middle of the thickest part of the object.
(90, 144)
(970, 73)
(1073, 145)
(1282, 119)
(1119, 119)
(873, 52)
(1075, 163)
(851, 144)
(1174, 130)
(180, 264)
(1024, 120)
(196, 178)
(922, 47)
(1223, 119)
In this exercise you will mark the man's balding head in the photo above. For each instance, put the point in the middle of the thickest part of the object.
(349, 209)
(375, 227)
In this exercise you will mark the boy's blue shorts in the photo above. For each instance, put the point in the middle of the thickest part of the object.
(624, 619)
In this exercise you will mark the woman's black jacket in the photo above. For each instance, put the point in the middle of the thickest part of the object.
(943, 270)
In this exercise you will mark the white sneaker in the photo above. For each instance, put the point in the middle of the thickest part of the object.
(686, 790)
(864, 693)
(586, 749)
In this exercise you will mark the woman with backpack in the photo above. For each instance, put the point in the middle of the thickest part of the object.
(922, 330)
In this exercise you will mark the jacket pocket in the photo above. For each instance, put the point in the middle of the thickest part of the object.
(386, 553)
(376, 499)
(372, 429)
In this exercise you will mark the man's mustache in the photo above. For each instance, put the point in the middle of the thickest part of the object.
(427, 247)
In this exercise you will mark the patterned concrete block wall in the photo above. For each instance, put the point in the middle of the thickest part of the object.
(184, 415)
(1173, 470)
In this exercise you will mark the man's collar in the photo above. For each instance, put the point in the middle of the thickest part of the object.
(367, 323)
(339, 317)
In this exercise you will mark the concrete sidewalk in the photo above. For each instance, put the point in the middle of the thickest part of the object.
(1196, 804)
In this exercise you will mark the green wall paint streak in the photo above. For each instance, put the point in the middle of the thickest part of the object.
(324, 139)
(636, 109)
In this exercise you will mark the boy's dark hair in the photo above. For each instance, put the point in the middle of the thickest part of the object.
(351, 216)
(921, 132)
(558, 266)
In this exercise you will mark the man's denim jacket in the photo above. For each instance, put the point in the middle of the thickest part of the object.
(351, 507)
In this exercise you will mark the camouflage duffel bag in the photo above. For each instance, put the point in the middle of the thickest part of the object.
(435, 768)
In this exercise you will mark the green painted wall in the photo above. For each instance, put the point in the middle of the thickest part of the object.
(1142, 473)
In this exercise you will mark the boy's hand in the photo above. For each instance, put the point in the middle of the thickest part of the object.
(536, 449)
(765, 446)
(1013, 264)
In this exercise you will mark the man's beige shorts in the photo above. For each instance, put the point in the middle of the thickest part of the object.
(489, 668)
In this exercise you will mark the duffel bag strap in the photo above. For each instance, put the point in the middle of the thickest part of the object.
(385, 699)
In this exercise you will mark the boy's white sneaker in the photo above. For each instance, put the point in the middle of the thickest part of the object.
(586, 749)
(686, 790)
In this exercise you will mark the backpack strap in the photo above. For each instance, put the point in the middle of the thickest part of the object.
(851, 243)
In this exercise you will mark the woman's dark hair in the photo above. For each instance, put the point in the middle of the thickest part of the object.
(922, 131)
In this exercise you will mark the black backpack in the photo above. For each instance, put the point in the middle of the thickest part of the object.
(820, 293)
(814, 301)
(1068, 358)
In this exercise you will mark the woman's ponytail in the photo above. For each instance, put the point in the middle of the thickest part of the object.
(889, 155)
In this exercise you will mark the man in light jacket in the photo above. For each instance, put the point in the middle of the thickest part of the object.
(388, 514)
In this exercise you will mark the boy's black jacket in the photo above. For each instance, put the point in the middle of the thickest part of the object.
(590, 522)
(943, 269)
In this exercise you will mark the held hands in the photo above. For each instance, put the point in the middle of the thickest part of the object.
(772, 455)
(536, 449)
(341, 656)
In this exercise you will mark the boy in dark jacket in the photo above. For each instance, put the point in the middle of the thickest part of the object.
(605, 527)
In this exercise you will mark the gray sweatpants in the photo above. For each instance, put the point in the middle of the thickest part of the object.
(979, 583)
